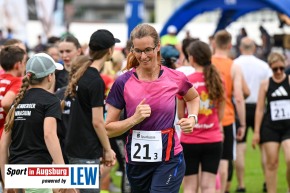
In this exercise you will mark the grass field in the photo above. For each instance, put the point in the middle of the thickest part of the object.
(253, 174)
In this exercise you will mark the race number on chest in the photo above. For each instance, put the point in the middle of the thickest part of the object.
(280, 110)
(146, 146)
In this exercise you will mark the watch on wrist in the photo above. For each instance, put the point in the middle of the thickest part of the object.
(194, 116)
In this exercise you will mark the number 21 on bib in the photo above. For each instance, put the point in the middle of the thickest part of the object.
(146, 146)
(280, 110)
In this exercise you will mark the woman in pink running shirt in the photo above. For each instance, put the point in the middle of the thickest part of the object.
(204, 145)
(147, 93)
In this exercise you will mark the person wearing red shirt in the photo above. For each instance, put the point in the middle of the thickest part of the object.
(12, 59)
(203, 146)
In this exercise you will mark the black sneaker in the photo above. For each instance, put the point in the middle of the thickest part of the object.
(241, 190)
(264, 187)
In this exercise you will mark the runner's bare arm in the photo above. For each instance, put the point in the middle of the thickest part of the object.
(259, 112)
(115, 127)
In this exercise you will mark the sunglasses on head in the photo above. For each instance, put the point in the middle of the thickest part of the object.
(281, 68)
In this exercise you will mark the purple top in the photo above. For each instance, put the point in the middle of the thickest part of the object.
(128, 91)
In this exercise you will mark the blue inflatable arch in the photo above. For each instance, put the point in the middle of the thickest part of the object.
(231, 11)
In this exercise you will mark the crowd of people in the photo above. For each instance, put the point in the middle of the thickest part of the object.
(170, 113)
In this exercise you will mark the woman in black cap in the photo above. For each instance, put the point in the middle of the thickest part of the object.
(87, 139)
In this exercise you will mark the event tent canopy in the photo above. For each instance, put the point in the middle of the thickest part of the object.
(231, 10)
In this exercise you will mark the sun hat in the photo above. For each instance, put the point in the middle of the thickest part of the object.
(102, 39)
(41, 65)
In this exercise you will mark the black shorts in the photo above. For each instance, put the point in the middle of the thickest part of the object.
(161, 177)
(274, 135)
(207, 155)
(250, 120)
(229, 144)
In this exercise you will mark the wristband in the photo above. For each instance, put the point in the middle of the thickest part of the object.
(194, 116)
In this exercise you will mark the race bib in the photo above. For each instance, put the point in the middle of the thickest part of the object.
(280, 110)
(146, 146)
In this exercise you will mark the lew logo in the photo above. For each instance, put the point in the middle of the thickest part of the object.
(84, 176)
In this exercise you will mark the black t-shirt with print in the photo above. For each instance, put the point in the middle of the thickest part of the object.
(82, 140)
(27, 137)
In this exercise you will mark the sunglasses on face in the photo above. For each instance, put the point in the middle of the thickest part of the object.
(281, 68)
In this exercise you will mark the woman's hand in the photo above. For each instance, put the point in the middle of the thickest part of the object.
(186, 124)
(109, 158)
(255, 140)
(142, 111)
